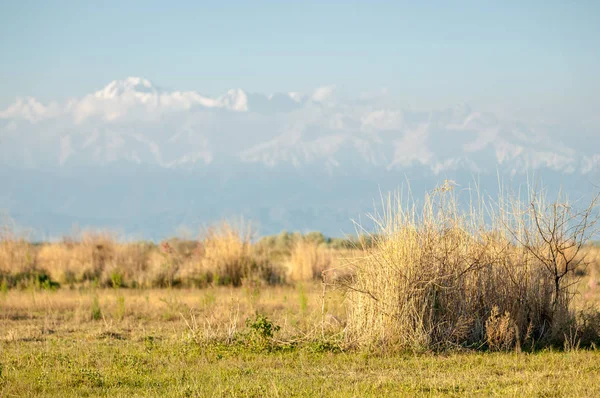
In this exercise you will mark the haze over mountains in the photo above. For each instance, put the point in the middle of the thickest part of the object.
(147, 160)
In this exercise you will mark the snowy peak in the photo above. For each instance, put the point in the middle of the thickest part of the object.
(142, 90)
(133, 97)
(128, 86)
(134, 121)
(137, 97)
(235, 99)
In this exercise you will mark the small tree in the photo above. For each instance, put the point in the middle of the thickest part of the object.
(554, 235)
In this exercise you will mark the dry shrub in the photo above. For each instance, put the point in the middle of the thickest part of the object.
(588, 326)
(436, 276)
(227, 253)
(18, 265)
(98, 257)
(591, 255)
(500, 331)
(175, 263)
(308, 260)
(16, 253)
(130, 266)
(83, 259)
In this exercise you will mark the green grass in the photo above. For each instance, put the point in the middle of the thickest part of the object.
(113, 365)
(154, 343)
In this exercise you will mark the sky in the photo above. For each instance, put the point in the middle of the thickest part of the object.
(537, 56)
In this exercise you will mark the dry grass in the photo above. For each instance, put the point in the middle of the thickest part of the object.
(16, 256)
(212, 314)
(227, 253)
(224, 254)
(209, 317)
(499, 276)
(195, 342)
(589, 286)
(74, 261)
(308, 260)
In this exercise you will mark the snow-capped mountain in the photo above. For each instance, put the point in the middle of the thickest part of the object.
(134, 121)
(239, 142)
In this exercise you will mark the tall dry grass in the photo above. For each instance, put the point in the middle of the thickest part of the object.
(17, 257)
(497, 274)
(308, 260)
(227, 255)
(81, 259)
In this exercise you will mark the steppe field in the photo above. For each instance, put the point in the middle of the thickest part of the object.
(299, 198)
(435, 301)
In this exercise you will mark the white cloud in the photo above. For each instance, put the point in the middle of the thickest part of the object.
(322, 93)
(31, 110)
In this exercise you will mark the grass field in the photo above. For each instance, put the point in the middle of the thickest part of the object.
(112, 367)
(437, 302)
(190, 342)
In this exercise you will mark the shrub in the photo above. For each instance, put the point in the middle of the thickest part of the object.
(19, 265)
(227, 254)
(82, 259)
(17, 255)
(500, 331)
(308, 260)
(262, 332)
(436, 276)
(96, 312)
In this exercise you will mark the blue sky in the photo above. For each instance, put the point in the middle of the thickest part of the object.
(543, 54)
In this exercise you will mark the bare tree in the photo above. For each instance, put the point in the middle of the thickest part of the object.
(554, 234)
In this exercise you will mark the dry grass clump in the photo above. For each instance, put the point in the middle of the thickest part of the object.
(227, 255)
(299, 258)
(500, 331)
(129, 266)
(78, 260)
(591, 272)
(308, 260)
(100, 259)
(16, 253)
(437, 276)
(224, 255)
(17, 258)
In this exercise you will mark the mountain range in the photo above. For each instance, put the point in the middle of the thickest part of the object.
(146, 160)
